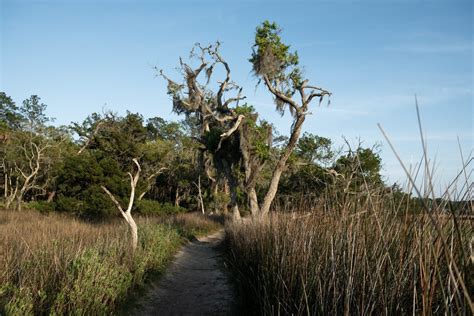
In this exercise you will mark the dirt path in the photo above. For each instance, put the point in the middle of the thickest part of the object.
(196, 283)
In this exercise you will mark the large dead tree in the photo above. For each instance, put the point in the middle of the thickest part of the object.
(127, 213)
(215, 113)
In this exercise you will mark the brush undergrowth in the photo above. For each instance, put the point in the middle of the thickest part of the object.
(53, 264)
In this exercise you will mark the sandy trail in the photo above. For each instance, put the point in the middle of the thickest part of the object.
(196, 283)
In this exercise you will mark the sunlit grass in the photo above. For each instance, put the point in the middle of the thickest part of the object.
(56, 264)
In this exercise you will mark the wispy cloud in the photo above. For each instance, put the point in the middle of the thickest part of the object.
(439, 47)
(442, 135)
(432, 43)
(390, 100)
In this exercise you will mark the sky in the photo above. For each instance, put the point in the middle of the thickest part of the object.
(374, 56)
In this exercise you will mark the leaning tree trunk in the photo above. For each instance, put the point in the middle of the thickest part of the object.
(127, 214)
(273, 188)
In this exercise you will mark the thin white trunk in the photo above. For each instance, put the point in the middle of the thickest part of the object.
(6, 185)
(201, 201)
(127, 214)
(280, 166)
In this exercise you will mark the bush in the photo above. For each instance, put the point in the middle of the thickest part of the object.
(79, 190)
(41, 206)
(151, 207)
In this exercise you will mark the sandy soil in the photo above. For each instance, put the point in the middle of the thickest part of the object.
(196, 283)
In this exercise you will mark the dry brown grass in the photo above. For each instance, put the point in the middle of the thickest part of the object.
(374, 258)
(57, 264)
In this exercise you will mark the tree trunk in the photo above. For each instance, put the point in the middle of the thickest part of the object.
(273, 188)
(51, 196)
(254, 208)
(177, 198)
(133, 230)
(19, 199)
(127, 214)
(6, 185)
(233, 199)
(8, 203)
(201, 201)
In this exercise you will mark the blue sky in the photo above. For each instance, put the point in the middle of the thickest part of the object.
(83, 56)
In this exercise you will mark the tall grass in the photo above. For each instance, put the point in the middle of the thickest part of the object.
(361, 264)
(359, 251)
(52, 264)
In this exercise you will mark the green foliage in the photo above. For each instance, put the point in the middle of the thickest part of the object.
(158, 128)
(363, 165)
(121, 137)
(246, 109)
(272, 60)
(308, 179)
(41, 206)
(219, 201)
(151, 207)
(79, 182)
(22, 303)
(270, 56)
(313, 148)
(34, 114)
(10, 118)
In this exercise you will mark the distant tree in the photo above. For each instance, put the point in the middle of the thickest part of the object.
(314, 149)
(10, 116)
(131, 148)
(88, 130)
(30, 153)
(360, 167)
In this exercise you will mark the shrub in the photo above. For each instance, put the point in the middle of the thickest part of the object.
(79, 190)
(151, 207)
(41, 206)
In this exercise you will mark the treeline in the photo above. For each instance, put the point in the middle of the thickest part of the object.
(63, 168)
